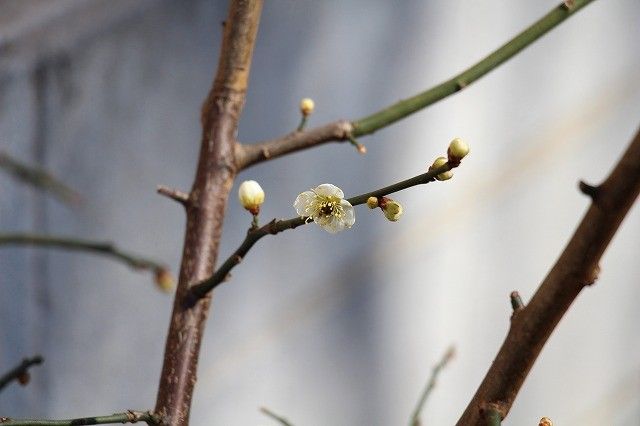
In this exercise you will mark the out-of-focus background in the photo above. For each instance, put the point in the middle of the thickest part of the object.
(324, 329)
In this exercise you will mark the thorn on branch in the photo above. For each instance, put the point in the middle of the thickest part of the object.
(174, 194)
(589, 190)
(516, 301)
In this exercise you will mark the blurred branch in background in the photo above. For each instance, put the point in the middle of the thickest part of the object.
(276, 417)
(576, 268)
(431, 384)
(39, 178)
(162, 275)
(20, 373)
(247, 155)
(128, 416)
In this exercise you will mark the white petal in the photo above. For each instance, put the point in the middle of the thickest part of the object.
(329, 190)
(349, 217)
(304, 202)
(333, 225)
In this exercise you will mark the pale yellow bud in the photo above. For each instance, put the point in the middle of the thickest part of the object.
(392, 210)
(372, 202)
(439, 162)
(306, 106)
(545, 421)
(251, 196)
(164, 280)
(458, 149)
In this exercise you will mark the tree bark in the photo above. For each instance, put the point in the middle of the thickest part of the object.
(205, 209)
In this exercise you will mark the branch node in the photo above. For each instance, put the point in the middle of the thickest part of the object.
(589, 190)
(569, 4)
(461, 84)
(516, 302)
(591, 276)
(174, 194)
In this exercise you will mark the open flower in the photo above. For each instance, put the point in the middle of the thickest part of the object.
(326, 205)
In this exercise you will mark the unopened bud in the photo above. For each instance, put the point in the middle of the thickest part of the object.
(24, 378)
(251, 196)
(392, 210)
(458, 149)
(372, 202)
(439, 162)
(306, 106)
(164, 280)
(545, 421)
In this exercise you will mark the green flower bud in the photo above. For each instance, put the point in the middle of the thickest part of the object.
(458, 149)
(392, 210)
(439, 162)
(372, 202)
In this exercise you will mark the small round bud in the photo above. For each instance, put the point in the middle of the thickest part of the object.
(361, 149)
(392, 210)
(164, 280)
(545, 421)
(458, 149)
(372, 202)
(251, 196)
(306, 106)
(439, 162)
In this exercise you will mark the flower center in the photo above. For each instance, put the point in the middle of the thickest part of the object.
(331, 208)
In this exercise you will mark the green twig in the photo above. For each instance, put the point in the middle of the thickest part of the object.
(276, 417)
(40, 179)
(303, 122)
(20, 372)
(343, 130)
(104, 248)
(200, 289)
(126, 417)
(399, 110)
(431, 384)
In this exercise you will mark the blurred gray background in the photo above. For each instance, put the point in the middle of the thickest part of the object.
(324, 329)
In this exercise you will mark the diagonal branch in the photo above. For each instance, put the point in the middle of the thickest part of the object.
(20, 372)
(247, 155)
(576, 268)
(274, 227)
(431, 384)
(40, 179)
(126, 417)
(278, 418)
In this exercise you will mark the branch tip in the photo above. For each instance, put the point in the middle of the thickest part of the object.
(516, 301)
(588, 190)
(174, 194)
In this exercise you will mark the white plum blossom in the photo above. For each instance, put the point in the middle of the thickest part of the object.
(326, 206)
(251, 195)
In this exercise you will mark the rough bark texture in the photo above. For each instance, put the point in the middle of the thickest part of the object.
(576, 268)
(205, 209)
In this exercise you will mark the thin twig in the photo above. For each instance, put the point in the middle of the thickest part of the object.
(68, 243)
(276, 417)
(247, 155)
(431, 384)
(126, 417)
(203, 287)
(20, 372)
(39, 178)
(576, 268)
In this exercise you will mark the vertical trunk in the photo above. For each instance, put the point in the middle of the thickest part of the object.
(205, 209)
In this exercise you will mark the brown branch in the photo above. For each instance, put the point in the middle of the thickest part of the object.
(205, 211)
(20, 372)
(128, 416)
(576, 268)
